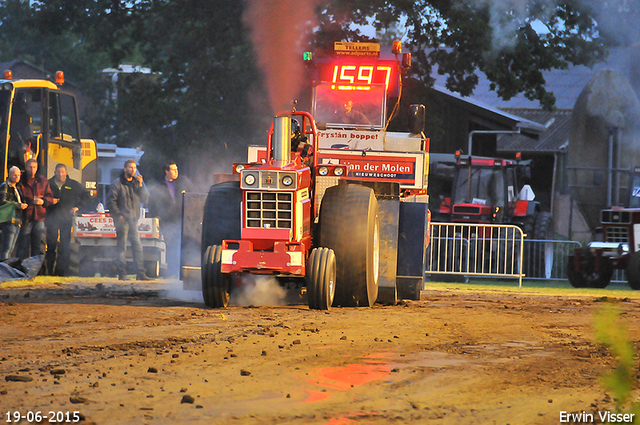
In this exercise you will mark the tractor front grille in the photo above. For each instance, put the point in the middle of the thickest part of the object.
(322, 184)
(463, 209)
(269, 210)
(615, 216)
(617, 234)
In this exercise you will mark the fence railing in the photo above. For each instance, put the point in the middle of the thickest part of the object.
(467, 250)
(476, 250)
(547, 259)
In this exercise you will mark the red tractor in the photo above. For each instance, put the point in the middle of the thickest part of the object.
(340, 211)
(271, 223)
(485, 190)
(489, 190)
(593, 266)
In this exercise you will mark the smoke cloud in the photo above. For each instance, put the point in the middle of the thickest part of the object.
(174, 291)
(278, 31)
(258, 290)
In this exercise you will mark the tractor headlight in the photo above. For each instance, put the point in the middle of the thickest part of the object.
(287, 181)
(239, 168)
(249, 179)
(323, 171)
(338, 171)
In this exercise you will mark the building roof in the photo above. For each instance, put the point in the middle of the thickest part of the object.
(508, 119)
(556, 136)
(26, 70)
(565, 84)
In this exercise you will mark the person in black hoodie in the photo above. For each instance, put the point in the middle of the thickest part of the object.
(166, 203)
(68, 197)
(11, 191)
(125, 197)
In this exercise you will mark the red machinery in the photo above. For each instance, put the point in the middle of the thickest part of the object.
(489, 190)
(593, 266)
(341, 212)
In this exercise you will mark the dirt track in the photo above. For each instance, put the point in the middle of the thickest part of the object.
(126, 354)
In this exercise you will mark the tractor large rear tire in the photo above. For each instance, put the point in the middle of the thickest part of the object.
(633, 271)
(350, 226)
(216, 286)
(221, 218)
(321, 278)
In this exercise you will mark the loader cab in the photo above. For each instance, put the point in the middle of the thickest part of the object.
(40, 121)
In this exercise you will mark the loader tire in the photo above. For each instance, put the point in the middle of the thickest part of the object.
(321, 278)
(221, 218)
(87, 268)
(73, 269)
(633, 271)
(350, 226)
(216, 286)
(152, 268)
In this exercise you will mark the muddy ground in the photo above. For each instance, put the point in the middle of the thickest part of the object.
(133, 354)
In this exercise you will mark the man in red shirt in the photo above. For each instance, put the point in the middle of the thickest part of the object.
(38, 197)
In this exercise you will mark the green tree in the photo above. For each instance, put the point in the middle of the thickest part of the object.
(23, 37)
(496, 37)
(206, 92)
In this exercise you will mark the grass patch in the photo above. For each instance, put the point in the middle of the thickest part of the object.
(612, 332)
(55, 280)
(539, 287)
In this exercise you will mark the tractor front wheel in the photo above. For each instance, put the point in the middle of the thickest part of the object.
(321, 278)
(587, 276)
(216, 286)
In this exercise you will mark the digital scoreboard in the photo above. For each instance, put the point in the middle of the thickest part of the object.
(351, 88)
(353, 74)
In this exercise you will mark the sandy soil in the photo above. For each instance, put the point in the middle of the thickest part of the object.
(128, 354)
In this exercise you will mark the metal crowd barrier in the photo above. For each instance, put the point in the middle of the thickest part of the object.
(547, 259)
(497, 251)
(488, 250)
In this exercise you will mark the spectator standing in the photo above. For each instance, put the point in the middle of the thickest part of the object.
(38, 197)
(125, 197)
(70, 196)
(165, 202)
(11, 192)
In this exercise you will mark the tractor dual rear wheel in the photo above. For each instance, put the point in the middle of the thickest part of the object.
(349, 225)
(321, 278)
(216, 286)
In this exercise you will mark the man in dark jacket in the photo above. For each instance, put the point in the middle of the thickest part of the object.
(125, 196)
(11, 192)
(165, 202)
(69, 196)
(38, 196)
